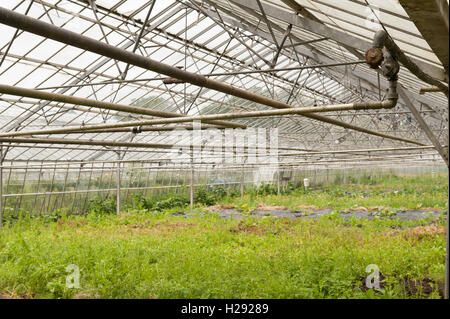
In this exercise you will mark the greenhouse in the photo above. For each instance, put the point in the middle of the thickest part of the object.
(294, 145)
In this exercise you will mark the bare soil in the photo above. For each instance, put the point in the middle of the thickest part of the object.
(270, 208)
(219, 207)
(263, 211)
(253, 229)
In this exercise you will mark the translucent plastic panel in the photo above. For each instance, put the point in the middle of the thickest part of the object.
(130, 7)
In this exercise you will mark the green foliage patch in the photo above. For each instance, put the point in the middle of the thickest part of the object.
(147, 252)
(141, 255)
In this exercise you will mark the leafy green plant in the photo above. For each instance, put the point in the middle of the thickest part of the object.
(209, 196)
(100, 206)
(159, 256)
(171, 202)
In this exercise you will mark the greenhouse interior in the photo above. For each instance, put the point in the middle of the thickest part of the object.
(289, 147)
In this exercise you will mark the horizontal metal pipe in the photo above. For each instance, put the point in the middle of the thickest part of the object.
(304, 67)
(207, 75)
(120, 144)
(227, 166)
(51, 163)
(65, 141)
(99, 83)
(56, 97)
(291, 111)
(122, 188)
(111, 149)
(423, 90)
(305, 42)
(296, 68)
(83, 142)
(20, 21)
(151, 129)
(373, 150)
(202, 166)
(362, 160)
(72, 166)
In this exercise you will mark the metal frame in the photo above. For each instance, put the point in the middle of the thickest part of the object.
(238, 59)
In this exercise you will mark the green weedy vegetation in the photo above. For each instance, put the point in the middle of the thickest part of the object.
(390, 192)
(147, 256)
(149, 253)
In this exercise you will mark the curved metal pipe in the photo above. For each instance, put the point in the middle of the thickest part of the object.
(383, 39)
(388, 62)
(380, 39)
(392, 93)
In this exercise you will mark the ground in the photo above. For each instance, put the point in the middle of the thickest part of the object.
(234, 250)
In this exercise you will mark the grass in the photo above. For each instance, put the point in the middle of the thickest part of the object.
(397, 192)
(151, 254)
(158, 256)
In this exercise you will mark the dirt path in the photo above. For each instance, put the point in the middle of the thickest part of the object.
(316, 213)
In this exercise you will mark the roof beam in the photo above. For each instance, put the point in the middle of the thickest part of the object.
(338, 36)
(424, 126)
(300, 9)
(79, 78)
(261, 8)
(304, 111)
(431, 19)
(56, 97)
(368, 81)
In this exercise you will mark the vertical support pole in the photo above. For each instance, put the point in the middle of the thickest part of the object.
(138, 185)
(278, 181)
(100, 181)
(242, 181)
(315, 176)
(118, 185)
(64, 187)
(130, 180)
(156, 190)
(51, 188)
(88, 188)
(38, 185)
(196, 134)
(76, 188)
(147, 189)
(170, 178)
(19, 200)
(191, 197)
